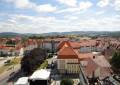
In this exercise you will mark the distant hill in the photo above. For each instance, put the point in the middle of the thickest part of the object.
(10, 34)
(85, 33)
(81, 33)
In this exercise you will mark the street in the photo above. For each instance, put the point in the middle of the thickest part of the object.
(4, 77)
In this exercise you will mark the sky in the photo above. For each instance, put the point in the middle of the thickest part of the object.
(42, 16)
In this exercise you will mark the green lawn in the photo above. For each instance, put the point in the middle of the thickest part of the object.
(16, 60)
(8, 66)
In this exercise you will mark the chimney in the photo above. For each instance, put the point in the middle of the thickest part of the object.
(93, 57)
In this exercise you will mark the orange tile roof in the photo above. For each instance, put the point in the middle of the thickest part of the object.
(75, 45)
(55, 40)
(67, 53)
(64, 43)
(88, 43)
(67, 49)
(83, 56)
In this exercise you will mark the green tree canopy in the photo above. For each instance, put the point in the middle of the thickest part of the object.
(33, 59)
(115, 61)
(10, 42)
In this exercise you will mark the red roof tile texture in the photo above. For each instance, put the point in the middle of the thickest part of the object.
(64, 43)
(67, 53)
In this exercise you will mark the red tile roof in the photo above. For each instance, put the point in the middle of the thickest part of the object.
(84, 56)
(64, 43)
(88, 43)
(75, 45)
(90, 66)
(67, 50)
(67, 53)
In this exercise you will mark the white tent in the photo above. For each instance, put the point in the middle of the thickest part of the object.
(42, 74)
(22, 81)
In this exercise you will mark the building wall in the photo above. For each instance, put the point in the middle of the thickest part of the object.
(30, 47)
(68, 65)
(51, 46)
(47, 45)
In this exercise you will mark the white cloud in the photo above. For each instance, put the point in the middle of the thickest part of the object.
(68, 10)
(82, 6)
(103, 3)
(85, 5)
(45, 8)
(117, 5)
(100, 12)
(105, 24)
(70, 17)
(22, 3)
(71, 3)
(73, 17)
(39, 24)
(29, 24)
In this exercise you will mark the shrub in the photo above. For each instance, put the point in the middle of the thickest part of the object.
(67, 82)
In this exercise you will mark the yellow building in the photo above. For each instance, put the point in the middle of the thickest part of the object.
(67, 61)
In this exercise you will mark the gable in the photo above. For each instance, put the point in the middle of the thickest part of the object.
(67, 53)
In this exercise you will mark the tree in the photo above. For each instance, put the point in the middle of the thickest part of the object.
(67, 82)
(115, 61)
(32, 60)
(10, 42)
(36, 37)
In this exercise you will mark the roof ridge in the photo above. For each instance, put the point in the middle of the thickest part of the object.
(62, 44)
(69, 48)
